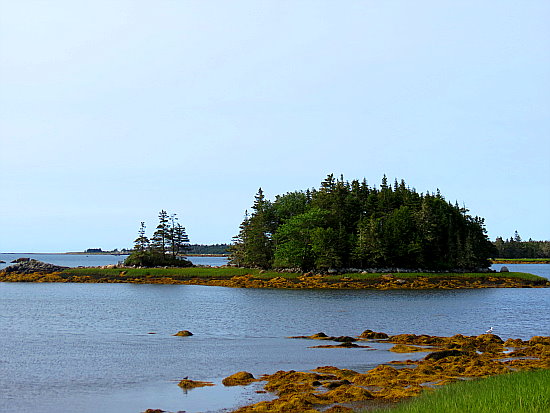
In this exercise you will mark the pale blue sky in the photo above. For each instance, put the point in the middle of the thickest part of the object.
(113, 110)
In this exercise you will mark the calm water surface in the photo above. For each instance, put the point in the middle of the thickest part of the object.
(86, 348)
(76, 260)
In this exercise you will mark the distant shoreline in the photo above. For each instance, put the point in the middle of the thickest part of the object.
(101, 253)
(520, 261)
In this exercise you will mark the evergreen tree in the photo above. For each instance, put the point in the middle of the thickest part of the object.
(141, 243)
(161, 236)
(168, 242)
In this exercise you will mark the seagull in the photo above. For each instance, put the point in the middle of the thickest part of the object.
(489, 331)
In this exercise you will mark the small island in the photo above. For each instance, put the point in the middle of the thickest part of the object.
(343, 235)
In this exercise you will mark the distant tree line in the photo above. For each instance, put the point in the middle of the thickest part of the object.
(516, 248)
(353, 225)
(165, 248)
(217, 249)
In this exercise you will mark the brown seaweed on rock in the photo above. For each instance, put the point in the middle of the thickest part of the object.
(458, 357)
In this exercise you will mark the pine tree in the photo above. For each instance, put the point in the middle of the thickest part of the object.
(141, 243)
(162, 234)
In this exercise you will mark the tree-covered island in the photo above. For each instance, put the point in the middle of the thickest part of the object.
(165, 248)
(345, 225)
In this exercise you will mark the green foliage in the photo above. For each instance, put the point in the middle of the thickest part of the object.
(352, 225)
(253, 246)
(165, 247)
(516, 248)
(215, 249)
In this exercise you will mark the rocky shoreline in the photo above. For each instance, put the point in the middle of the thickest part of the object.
(334, 390)
(31, 266)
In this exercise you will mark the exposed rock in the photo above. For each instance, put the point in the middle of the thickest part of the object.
(242, 378)
(187, 384)
(154, 411)
(22, 259)
(504, 269)
(490, 338)
(183, 333)
(29, 266)
(336, 383)
(403, 348)
(438, 355)
(373, 335)
(344, 339)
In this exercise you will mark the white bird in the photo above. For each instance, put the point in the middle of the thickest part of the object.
(489, 331)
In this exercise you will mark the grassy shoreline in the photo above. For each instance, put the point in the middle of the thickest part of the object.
(520, 392)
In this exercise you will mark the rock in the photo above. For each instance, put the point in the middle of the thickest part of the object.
(403, 348)
(22, 259)
(187, 384)
(154, 411)
(183, 333)
(504, 269)
(344, 339)
(336, 383)
(373, 335)
(540, 340)
(438, 355)
(490, 338)
(2, 262)
(29, 266)
(242, 378)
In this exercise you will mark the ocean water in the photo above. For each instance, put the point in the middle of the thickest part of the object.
(88, 348)
(91, 260)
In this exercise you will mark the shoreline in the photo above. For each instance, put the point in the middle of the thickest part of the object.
(250, 278)
(520, 261)
(447, 360)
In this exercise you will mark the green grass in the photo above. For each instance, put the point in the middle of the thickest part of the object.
(525, 392)
(176, 273)
(225, 273)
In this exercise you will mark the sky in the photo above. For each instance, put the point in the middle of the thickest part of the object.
(113, 110)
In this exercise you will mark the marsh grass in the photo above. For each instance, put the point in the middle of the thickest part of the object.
(176, 273)
(524, 392)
